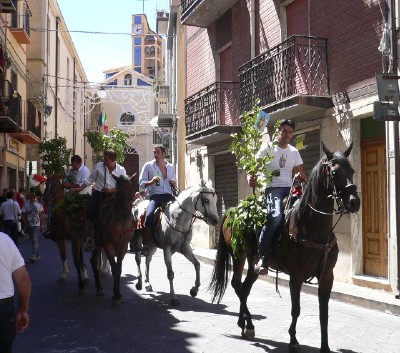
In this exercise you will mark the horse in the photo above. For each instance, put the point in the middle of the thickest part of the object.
(307, 247)
(62, 227)
(174, 232)
(113, 232)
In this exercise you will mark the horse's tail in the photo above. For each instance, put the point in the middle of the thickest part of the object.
(220, 275)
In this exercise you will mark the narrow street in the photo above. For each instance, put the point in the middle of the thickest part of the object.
(64, 322)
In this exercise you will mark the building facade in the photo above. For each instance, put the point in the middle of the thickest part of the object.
(315, 63)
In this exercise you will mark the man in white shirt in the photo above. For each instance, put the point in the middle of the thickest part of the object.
(76, 175)
(105, 184)
(286, 161)
(11, 212)
(12, 267)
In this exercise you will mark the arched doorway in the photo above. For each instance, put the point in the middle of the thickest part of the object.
(131, 165)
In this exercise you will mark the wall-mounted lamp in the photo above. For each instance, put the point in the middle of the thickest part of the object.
(101, 93)
(15, 94)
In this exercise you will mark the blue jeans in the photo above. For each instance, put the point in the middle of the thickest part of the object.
(156, 201)
(10, 228)
(8, 328)
(274, 196)
(34, 237)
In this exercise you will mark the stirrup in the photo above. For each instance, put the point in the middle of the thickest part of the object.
(261, 267)
(89, 244)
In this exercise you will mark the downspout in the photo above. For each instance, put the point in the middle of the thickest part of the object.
(56, 81)
(252, 29)
(392, 8)
(73, 108)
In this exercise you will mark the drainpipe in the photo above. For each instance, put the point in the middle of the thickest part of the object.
(392, 9)
(56, 80)
(252, 29)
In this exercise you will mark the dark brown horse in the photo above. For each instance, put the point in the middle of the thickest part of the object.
(113, 232)
(307, 247)
(62, 228)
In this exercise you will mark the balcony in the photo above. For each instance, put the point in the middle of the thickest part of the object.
(291, 80)
(212, 114)
(11, 116)
(201, 13)
(20, 25)
(7, 6)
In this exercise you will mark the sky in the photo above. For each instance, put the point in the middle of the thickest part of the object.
(99, 52)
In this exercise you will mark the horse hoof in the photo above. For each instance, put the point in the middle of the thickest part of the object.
(249, 333)
(139, 286)
(194, 291)
(116, 301)
(175, 302)
(294, 348)
(100, 292)
(149, 288)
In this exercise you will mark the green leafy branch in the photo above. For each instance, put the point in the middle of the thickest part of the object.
(55, 156)
(116, 140)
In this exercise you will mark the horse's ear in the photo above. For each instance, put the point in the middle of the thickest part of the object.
(210, 183)
(328, 153)
(347, 152)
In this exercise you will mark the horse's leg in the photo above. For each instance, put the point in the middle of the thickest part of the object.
(170, 275)
(139, 283)
(324, 293)
(245, 289)
(188, 253)
(76, 251)
(105, 265)
(295, 288)
(63, 253)
(95, 261)
(116, 269)
(147, 284)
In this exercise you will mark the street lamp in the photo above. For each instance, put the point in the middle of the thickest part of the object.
(101, 93)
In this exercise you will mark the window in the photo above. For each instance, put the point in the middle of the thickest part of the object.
(138, 56)
(128, 80)
(138, 69)
(138, 41)
(137, 19)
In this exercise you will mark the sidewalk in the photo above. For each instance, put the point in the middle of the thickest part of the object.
(342, 292)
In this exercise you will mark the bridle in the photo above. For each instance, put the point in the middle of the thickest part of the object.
(196, 214)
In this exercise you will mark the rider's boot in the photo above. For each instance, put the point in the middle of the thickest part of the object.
(89, 242)
(146, 239)
(262, 266)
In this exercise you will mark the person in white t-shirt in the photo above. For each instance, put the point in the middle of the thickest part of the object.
(286, 161)
(12, 267)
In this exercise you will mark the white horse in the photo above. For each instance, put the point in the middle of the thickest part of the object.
(175, 232)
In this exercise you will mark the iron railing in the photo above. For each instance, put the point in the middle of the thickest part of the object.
(217, 104)
(186, 4)
(11, 103)
(298, 65)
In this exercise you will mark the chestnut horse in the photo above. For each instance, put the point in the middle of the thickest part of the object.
(113, 232)
(307, 247)
(60, 227)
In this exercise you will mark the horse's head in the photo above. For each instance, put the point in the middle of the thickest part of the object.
(206, 204)
(341, 177)
(53, 189)
(124, 185)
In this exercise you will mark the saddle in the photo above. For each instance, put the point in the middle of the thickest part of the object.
(140, 217)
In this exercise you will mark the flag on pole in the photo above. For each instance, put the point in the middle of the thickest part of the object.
(100, 120)
(104, 118)
(106, 129)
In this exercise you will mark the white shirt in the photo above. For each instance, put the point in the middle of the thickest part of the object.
(32, 210)
(107, 181)
(285, 159)
(150, 170)
(10, 209)
(79, 176)
(10, 260)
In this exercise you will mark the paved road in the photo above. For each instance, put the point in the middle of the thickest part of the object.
(64, 322)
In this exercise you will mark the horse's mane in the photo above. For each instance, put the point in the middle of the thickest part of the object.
(193, 191)
(317, 182)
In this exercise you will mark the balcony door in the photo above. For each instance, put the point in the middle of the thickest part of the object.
(226, 75)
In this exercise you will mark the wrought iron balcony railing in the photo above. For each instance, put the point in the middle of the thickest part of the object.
(215, 105)
(11, 103)
(297, 66)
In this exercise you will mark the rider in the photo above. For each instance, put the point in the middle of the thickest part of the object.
(286, 160)
(157, 177)
(105, 184)
(76, 175)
